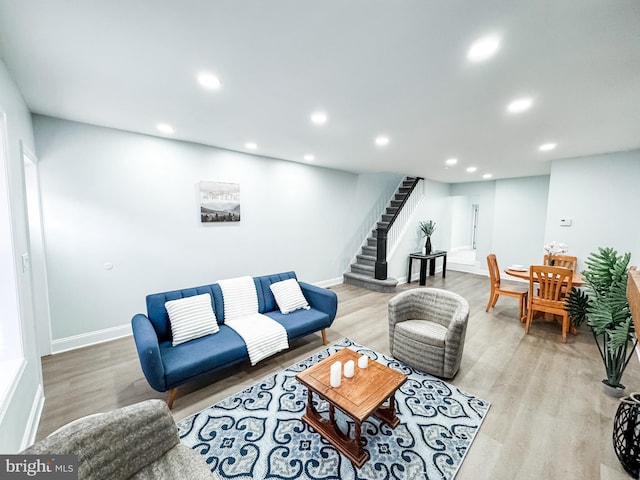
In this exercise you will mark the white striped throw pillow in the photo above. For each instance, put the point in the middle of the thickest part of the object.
(289, 296)
(191, 317)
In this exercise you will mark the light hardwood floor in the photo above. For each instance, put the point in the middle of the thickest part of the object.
(548, 417)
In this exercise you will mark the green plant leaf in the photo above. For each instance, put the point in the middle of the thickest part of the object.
(578, 305)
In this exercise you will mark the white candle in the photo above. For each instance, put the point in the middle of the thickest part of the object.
(336, 374)
(363, 361)
(349, 369)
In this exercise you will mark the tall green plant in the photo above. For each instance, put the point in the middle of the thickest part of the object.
(603, 306)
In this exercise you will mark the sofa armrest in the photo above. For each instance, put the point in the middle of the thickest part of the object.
(148, 349)
(321, 299)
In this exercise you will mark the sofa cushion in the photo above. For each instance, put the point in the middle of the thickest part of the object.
(301, 322)
(202, 355)
(288, 296)
(423, 331)
(191, 317)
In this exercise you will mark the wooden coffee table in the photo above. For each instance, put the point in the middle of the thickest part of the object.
(358, 397)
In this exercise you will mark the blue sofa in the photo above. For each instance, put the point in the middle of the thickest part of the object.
(166, 367)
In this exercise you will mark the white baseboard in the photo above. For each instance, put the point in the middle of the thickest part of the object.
(84, 340)
(31, 428)
(330, 283)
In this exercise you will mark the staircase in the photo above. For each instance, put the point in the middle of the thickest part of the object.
(362, 272)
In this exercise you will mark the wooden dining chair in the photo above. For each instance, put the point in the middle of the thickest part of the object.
(546, 286)
(497, 289)
(566, 261)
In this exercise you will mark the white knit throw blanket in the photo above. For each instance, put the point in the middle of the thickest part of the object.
(262, 335)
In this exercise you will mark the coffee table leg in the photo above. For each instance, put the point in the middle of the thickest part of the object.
(387, 414)
(327, 428)
(311, 410)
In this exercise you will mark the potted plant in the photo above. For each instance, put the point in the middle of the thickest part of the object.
(427, 229)
(603, 306)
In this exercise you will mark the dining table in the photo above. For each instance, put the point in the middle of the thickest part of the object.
(522, 272)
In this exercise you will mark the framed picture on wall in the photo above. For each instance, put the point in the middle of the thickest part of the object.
(219, 202)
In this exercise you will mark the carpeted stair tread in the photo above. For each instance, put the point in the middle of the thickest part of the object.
(370, 283)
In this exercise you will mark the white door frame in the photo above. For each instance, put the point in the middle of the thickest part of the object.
(37, 251)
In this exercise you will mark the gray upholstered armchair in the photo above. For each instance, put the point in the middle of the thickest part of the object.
(138, 442)
(427, 328)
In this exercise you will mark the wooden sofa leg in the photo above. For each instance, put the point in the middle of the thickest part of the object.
(324, 336)
(171, 397)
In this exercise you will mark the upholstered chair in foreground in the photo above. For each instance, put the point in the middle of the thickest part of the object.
(427, 328)
(138, 442)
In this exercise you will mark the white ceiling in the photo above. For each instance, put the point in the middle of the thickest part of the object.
(374, 66)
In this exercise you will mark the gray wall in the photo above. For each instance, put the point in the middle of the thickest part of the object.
(601, 195)
(131, 200)
(21, 405)
(518, 221)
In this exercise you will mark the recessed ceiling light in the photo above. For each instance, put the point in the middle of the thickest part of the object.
(519, 105)
(251, 145)
(487, 175)
(483, 49)
(382, 140)
(319, 118)
(451, 161)
(309, 158)
(209, 80)
(545, 147)
(471, 169)
(164, 128)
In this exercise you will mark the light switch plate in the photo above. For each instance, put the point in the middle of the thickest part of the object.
(565, 222)
(25, 262)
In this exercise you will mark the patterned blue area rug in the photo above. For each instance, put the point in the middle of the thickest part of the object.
(258, 434)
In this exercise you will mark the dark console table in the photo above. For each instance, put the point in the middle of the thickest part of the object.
(431, 258)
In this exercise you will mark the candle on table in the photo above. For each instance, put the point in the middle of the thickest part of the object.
(363, 361)
(336, 374)
(349, 369)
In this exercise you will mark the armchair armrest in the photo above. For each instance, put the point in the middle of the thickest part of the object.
(457, 326)
(148, 349)
(116, 444)
(321, 299)
(398, 312)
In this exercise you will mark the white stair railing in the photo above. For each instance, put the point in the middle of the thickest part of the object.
(402, 222)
